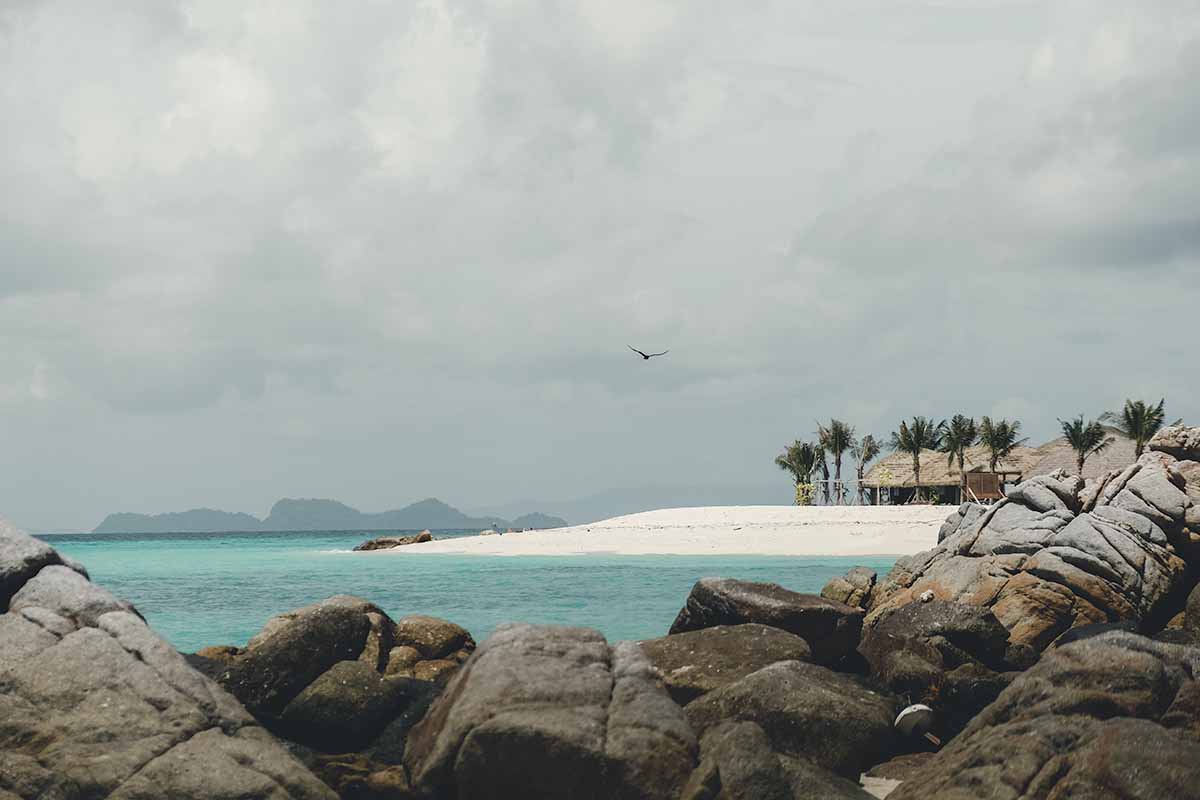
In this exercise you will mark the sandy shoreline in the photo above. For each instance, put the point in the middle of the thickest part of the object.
(721, 530)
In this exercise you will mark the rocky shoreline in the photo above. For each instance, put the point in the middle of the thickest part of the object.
(1053, 637)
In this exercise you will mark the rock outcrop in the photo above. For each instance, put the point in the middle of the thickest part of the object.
(546, 711)
(1115, 716)
(388, 542)
(94, 704)
(831, 628)
(1051, 556)
(697, 662)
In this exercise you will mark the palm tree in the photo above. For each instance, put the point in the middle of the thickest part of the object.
(923, 434)
(1086, 439)
(800, 459)
(1138, 422)
(960, 434)
(836, 439)
(1000, 438)
(864, 451)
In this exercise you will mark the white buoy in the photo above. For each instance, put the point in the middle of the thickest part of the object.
(916, 721)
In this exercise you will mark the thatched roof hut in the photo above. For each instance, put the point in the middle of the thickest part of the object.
(895, 470)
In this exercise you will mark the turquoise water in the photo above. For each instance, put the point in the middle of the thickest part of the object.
(219, 588)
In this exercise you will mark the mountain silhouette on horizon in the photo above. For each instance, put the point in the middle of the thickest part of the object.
(293, 514)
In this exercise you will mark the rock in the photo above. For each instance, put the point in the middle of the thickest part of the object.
(696, 662)
(94, 704)
(1043, 565)
(1179, 441)
(1100, 717)
(401, 661)
(854, 589)
(544, 711)
(737, 763)
(807, 711)
(278, 663)
(964, 631)
(432, 637)
(1191, 613)
(966, 516)
(830, 628)
(437, 670)
(344, 708)
(388, 542)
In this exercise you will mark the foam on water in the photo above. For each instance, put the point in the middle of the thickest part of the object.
(219, 588)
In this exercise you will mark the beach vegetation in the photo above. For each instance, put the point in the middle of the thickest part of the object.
(1085, 438)
(800, 459)
(911, 438)
(1000, 437)
(1138, 421)
(864, 450)
(961, 433)
(835, 439)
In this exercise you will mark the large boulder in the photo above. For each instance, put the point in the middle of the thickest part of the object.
(807, 711)
(1178, 441)
(94, 704)
(737, 763)
(853, 589)
(546, 712)
(1047, 559)
(696, 662)
(389, 542)
(831, 628)
(1113, 716)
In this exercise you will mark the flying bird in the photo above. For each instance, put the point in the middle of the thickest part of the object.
(646, 356)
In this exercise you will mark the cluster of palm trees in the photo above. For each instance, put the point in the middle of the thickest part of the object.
(1138, 421)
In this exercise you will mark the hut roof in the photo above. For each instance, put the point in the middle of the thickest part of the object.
(895, 469)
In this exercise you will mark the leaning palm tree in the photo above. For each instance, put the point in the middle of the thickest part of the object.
(922, 434)
(836, 439)
(1085, 438)
(1000, 439)
(1138, 422)
(823, 466)
(864, 451)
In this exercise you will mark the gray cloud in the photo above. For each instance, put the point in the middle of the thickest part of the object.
(266, 249)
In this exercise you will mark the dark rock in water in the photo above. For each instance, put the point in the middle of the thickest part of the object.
(853, 589)
(830, 628)
(696, 662)
(388, 542)
(737, 763)
(807, 711)
(546, 712)
(1047, 559)
(1109, 716)
(94, 704)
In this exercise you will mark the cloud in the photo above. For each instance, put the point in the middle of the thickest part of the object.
(269, 248)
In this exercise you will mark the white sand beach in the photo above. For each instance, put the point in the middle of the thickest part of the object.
(722, 530)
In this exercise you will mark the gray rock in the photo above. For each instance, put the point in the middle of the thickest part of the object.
(544, 711)
(345, 708)
(21, 557)
(807, 711)
(1095, 718)
(696, 662)
(853, 589)
(94, 704)
(831, 629)
(963, 518)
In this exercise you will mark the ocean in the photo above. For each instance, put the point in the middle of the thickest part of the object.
(199, 589)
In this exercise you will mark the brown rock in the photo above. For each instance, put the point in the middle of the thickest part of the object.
(437, 670)
(434, 638)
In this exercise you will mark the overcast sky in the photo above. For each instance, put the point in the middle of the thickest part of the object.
(379, 251)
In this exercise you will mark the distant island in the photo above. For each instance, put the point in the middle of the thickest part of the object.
(319, 515)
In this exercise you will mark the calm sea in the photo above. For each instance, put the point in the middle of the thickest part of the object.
(199, 589)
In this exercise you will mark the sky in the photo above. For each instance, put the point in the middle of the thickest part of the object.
(381, 251)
